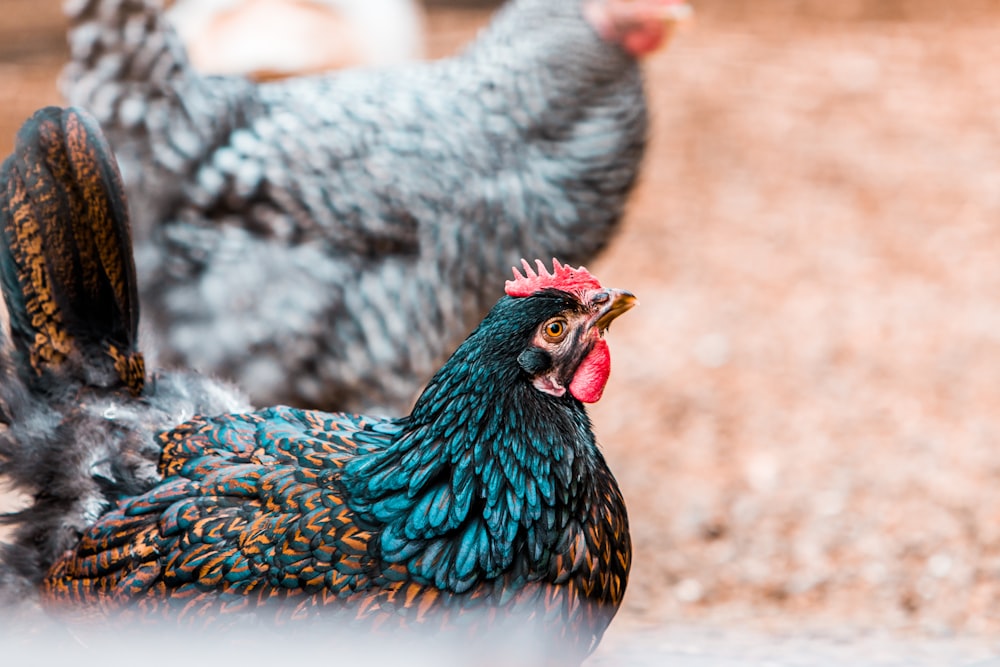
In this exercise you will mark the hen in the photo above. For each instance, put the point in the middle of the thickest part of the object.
(327, 241)
(155, 499)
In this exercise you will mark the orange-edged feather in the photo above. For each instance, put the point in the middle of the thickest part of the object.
(66, 256)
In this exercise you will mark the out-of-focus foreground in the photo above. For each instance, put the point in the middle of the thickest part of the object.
(805, 411)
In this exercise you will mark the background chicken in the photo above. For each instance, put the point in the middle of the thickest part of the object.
(491, 495)
(326, 241)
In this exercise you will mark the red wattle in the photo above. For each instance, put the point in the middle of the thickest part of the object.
(592, 374)
(644, 40)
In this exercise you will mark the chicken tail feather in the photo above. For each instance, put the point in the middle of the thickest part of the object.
(66, 257)
(71, 368)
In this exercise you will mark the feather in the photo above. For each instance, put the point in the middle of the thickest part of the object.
(375, 522)
(304, 216)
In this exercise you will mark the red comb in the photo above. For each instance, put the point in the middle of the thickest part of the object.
(563, 277)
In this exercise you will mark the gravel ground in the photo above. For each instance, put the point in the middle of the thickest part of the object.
(803, 412)
(804, 408)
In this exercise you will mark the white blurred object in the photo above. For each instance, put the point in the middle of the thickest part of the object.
(275, 38)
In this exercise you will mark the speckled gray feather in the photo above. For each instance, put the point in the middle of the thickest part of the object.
(323, 241)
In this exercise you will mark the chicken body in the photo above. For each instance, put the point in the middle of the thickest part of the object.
(490, 496)
(327, 241)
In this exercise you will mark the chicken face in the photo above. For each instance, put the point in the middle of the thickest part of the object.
(568, 351)
(638, 26)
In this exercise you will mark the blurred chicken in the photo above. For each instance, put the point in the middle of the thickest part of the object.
(327, 241)
(268, 39)
(489, 503)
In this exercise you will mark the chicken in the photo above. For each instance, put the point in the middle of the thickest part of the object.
(328, 241)
(155, 499)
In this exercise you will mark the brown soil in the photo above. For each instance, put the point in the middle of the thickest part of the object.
(805, 412)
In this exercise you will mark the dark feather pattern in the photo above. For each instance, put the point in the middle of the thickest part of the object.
(489, 496)
(328, 241)
(488, 505)
(70, 283)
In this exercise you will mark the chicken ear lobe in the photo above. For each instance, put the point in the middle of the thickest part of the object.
(547, 383)
(534, 361)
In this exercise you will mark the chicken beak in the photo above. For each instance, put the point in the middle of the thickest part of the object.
(612, 302)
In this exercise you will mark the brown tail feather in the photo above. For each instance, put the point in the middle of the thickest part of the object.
(66, 258)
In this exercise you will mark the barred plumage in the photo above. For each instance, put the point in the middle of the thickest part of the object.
(328, 241)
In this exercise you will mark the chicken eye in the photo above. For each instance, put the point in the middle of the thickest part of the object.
(554, 330)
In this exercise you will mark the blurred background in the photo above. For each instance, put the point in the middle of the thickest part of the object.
(804, 413)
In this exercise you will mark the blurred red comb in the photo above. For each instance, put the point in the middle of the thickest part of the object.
(563, 277)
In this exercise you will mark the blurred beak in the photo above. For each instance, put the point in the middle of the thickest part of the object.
(613, 302)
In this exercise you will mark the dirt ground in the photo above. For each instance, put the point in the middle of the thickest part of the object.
(804, 413)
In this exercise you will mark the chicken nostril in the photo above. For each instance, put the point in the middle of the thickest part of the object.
(600, 298)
